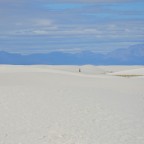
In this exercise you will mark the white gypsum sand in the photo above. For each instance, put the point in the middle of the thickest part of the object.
(60, 105)
(133, 72)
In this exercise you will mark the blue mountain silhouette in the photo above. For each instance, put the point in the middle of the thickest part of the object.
(134, 55)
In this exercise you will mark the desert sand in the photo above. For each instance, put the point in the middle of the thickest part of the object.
(60, 105)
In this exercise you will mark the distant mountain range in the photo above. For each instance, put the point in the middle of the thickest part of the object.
(133, 55)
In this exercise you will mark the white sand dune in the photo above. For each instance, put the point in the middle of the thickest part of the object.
(134, 72)
(59, 105)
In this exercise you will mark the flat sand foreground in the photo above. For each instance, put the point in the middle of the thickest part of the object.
(60, 105)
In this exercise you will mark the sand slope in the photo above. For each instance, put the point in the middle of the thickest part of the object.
(134, 72)
(59, 105)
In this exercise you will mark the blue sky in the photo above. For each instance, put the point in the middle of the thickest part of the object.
(31, 26)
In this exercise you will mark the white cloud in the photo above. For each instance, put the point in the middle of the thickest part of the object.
(42, 22)
(40, 32)
(36, 22)
(46, 27)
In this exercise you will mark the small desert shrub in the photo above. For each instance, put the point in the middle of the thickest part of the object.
(128, 75)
